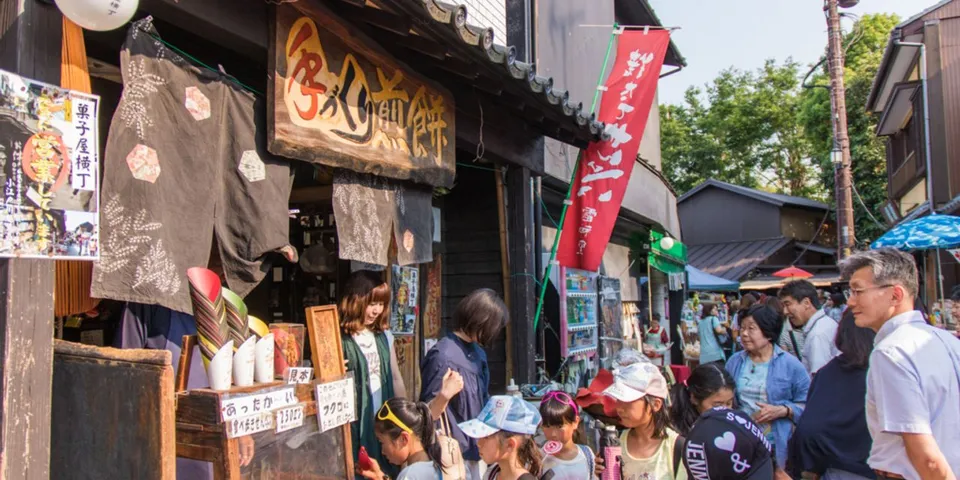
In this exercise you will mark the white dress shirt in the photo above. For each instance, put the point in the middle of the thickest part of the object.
(913, 386)
(819, 346)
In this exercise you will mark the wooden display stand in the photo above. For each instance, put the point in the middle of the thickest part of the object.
(202, 433)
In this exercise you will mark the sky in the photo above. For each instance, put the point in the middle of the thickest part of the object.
(716, 35)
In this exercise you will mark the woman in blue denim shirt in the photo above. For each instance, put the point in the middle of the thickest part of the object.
(772, 385)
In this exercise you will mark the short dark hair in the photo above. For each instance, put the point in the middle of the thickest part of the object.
(555, 413)
(768, 321)
(706, 307)
(655, 316)
(838, 299)
(800, 289)
(855, 343)
(481, 315)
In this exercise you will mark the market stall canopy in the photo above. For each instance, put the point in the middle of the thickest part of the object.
(702, 281)
(768, 283)
(925, 233)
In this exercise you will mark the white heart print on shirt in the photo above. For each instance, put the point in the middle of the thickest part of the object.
(727, 442)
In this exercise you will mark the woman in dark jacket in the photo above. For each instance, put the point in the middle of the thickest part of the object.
(832, 440)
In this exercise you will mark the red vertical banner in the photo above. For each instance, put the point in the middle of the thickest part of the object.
(605, 166)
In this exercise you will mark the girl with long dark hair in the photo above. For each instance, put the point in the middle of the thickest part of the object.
(709, 386)
(406, 433)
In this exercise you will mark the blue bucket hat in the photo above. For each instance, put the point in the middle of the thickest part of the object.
(506, 413)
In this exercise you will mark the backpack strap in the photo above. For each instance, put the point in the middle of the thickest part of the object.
(590, 460)
(793, 340)
(678, 445)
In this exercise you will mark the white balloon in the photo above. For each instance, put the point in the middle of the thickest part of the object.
(666, 243)
(99, 15)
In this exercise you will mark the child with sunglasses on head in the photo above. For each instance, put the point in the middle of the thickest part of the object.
(562, 456)
(504, 433)
(407, 437)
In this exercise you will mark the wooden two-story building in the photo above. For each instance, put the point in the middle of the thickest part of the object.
(916, 97)
(746, 235)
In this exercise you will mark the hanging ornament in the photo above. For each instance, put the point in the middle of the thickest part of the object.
(99, 15)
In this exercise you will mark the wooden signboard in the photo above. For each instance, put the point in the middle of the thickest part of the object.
(113, 413)
(337, 98)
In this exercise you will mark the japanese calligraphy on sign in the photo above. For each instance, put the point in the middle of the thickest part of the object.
(49, 170)
(340, 100)
(289, 418)
(605, 166)
(243, 426)
(336, 404)
(247, 405)
(299, 375)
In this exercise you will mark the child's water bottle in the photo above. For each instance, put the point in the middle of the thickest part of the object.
(610, 446)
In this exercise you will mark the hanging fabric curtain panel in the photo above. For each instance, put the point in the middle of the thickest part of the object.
(339, 99)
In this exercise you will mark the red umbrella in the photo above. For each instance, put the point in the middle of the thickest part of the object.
(792, 272)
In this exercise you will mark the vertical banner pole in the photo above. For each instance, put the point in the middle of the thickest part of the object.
(573, 177)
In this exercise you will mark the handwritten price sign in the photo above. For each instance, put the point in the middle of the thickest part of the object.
(336, 404)
(241, 427)
(289, 418)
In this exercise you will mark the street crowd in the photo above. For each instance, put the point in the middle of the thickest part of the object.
(866, 390)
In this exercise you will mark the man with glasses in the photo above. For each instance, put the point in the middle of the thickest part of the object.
(913, 383)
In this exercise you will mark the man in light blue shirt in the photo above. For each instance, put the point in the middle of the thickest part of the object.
(913, 383)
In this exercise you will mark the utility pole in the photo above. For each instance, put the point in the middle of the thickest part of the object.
(844, 178)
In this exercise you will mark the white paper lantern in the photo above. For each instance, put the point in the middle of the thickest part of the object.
(666, 243)
(99, 15)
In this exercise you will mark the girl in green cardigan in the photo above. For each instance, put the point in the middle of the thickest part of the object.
(368, 350)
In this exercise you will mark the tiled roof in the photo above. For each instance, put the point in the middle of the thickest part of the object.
(449, 22)
(733, 260)
(772, 198)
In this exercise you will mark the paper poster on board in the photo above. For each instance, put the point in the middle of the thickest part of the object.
(405, 309)
(49, 171)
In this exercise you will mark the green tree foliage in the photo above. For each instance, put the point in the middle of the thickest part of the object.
(865, 46)
(741, 128)
(764, 130)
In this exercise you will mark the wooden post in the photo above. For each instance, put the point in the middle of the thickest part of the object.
(30, 45)
(505, 266)
(523, 291)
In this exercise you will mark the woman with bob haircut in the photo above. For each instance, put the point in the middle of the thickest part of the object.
(772, 385)
(479, 319)
(832, 440)
(368, 350)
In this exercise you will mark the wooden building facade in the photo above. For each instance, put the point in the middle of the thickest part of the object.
(504, 109)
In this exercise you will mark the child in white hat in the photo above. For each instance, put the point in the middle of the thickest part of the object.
(651, 450)
(504, 432)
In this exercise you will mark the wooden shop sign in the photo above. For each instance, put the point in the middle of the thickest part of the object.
(339, 99)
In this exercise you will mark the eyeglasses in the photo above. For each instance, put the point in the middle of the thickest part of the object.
(562, 397)
(856, 292)
(385, 414)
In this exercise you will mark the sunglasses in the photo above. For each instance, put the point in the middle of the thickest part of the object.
(562, 397)
(386, 415)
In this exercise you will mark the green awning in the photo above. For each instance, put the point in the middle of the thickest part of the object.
(667, 260)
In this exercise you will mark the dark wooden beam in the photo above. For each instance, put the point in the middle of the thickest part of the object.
(238, 25)
(30, 45)
(376, 17)
(522, 274)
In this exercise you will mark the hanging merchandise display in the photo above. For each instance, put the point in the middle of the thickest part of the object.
(99, 15)
(168, 188)
(611, 328)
